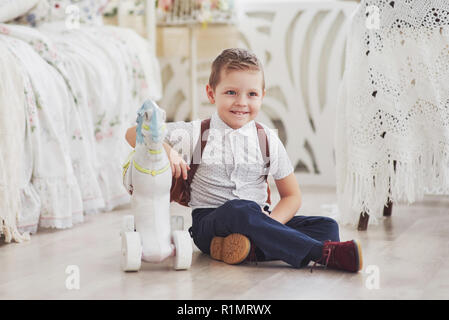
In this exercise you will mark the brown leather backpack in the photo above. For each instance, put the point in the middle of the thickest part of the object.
(180, 189)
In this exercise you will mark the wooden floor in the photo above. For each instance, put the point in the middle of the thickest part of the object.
(405, 257)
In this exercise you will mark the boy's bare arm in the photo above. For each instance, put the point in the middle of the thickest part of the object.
(290, 199)
(177, 163)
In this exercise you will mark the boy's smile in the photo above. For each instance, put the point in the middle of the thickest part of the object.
(238, 96)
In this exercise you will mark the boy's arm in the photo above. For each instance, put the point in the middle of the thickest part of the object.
(131, 136)
(177, 163)
(290, 199)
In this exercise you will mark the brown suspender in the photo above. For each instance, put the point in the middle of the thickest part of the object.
(180, 190)
(199, 148)
(262, 136)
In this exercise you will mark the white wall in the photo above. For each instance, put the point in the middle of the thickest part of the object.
(301, 45)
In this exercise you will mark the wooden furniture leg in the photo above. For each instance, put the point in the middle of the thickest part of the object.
(364, 217)
(388, 209)
(363, 221)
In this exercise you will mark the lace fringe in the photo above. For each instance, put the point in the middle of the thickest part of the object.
(12, 234)
(10, 205)
(405, 182)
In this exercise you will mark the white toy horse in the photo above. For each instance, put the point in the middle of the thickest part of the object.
(147, 177)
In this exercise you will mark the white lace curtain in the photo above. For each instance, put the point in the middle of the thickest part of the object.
(392, 137)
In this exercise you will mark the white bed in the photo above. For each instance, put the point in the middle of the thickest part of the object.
(77, 90)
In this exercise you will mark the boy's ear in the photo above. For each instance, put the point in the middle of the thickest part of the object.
(210, 94)
(263, 93)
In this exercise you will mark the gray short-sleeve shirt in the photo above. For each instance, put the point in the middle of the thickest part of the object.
(232, 166)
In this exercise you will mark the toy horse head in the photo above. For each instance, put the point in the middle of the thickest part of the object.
(150, 123)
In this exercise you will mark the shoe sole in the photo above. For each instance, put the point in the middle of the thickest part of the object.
(232, 249)
(359, 256)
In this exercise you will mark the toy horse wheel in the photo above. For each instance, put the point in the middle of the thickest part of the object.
(183, 245)
(131, 251)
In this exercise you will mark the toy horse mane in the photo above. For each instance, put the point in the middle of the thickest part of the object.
(150, 108)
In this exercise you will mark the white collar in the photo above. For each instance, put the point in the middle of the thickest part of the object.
(217, 123)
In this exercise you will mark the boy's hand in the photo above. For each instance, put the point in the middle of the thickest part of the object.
(178, 165)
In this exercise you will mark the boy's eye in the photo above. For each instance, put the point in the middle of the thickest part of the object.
(232, 92)
(253, 94)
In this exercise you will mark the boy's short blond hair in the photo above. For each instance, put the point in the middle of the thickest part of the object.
(234, 59)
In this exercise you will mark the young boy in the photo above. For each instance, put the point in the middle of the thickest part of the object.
(230, 217)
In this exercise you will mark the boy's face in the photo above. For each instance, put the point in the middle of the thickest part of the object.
(238, 96)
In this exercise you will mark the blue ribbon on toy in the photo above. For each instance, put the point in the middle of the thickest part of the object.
(147, 105)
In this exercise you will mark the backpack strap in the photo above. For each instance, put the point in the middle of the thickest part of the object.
(199, 148)
(180, 188)
(265, 149)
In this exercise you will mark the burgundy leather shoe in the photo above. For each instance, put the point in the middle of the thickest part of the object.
(341, 255)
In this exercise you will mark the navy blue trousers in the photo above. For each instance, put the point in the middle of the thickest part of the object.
(291, 243)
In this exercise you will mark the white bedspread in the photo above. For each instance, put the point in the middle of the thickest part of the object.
(12, 135)
(82, 88)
